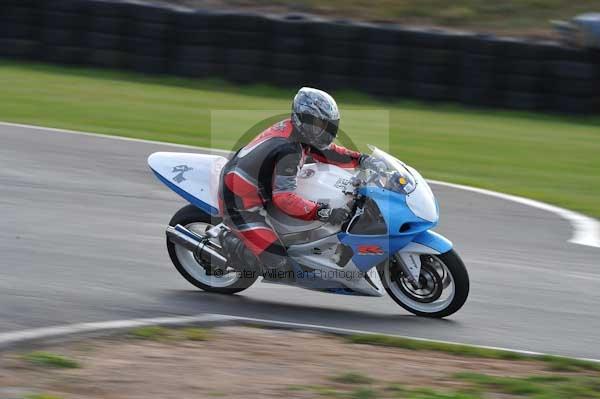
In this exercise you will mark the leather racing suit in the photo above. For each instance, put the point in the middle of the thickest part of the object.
(265, 171)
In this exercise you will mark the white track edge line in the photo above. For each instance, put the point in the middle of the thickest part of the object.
(586, 230)
(14, 337)
(115, 137)
(347, 331)
(47, 333)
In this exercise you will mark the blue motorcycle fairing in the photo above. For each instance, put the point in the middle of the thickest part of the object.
(433, 240)
(396, 212)
(370, 250)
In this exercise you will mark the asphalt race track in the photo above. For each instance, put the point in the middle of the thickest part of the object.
(82, 239)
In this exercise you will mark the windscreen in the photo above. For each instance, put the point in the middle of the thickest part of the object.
(388, 172)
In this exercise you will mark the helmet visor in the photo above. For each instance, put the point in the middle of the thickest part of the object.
(324, 138)
(319, 132)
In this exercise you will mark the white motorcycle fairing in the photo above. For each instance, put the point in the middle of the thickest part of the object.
(386, 246)
(195, 177)
(319, 183)
(315, 244)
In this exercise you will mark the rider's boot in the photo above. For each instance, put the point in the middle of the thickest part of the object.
(273, 262)
(241, 258)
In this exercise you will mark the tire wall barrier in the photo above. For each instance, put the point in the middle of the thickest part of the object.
(295, 50)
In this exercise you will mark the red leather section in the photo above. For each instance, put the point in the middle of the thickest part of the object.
(295, 206)
(257, 239)
(243, 189)
(280, 129)
(346, 158)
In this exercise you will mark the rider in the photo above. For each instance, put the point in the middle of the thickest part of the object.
(266, 169)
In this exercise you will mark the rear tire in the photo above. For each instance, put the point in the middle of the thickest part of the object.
(459, 280)
(189, 216)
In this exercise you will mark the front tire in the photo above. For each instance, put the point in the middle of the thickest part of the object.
(189, 266)
(446, 283)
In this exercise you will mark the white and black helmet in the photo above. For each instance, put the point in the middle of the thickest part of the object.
(316, 117)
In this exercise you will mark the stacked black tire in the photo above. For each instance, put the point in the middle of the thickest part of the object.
(385, 64)
(571, 80)
(433, 62)
(289, 63)
(105, 35)
(19, 29)
(197, 45)
(294, 50)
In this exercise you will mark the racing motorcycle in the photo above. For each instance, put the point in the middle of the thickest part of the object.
(387, 244)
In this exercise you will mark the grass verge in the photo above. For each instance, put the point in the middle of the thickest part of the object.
(48, 359)
(469, 386)
(555, 363)
(543, 387)
(352, 378)
(549, 158)
(379, 374)
(196, 334)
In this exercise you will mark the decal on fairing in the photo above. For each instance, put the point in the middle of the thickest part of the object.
(369, 250)
(306, 173)
(180, 170)
(342, 183)
(195, 177)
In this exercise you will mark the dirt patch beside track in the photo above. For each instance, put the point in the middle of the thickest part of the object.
(244, 362)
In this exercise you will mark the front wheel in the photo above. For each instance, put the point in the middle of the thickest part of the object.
(443, 290)
(191, 267)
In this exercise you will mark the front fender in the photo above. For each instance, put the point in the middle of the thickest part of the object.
(429, 242)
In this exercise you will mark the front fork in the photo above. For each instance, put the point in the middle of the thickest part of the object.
(410, 265)
(409, 257)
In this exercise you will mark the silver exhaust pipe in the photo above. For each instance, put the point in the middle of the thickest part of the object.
(196, 243)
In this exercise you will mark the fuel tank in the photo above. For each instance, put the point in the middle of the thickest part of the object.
(320, 183)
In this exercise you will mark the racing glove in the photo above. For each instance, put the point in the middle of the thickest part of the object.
(333, 216)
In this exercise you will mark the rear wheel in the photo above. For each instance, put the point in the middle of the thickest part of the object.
(443, 288)
(191, 267)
